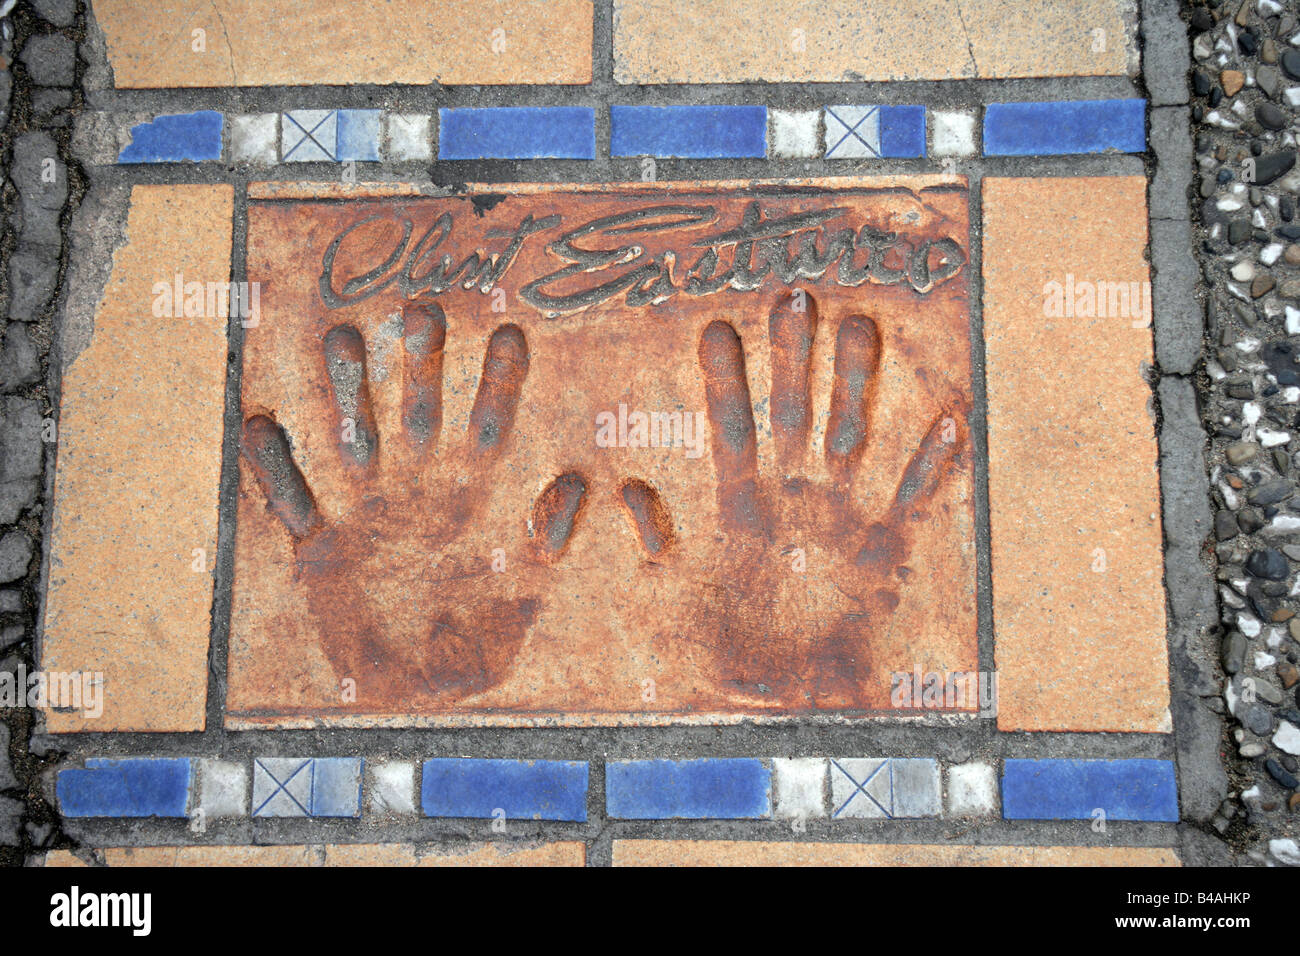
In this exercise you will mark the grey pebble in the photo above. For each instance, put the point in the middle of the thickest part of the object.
(7, 779)
(1256, 718)
(11, 635)
(1234, 651)
(1267, 563)
(61, 13)
(51, 60)
(11, 813)
(1271, 492)
(15, 556)
(20, 362)
(1281, 774)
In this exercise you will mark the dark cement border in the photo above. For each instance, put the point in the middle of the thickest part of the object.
(1179, 331)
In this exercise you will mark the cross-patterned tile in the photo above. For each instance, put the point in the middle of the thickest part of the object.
(884, 788)
(308, 136)
(306, 787)
(853, 132)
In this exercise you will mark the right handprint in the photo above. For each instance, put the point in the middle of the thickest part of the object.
(766, 635)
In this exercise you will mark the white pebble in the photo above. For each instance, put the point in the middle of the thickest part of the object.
(1232, 502)
(1285, 851)
(1215, 118)
(1271, 439)
(1248, 625)
(1292, 321)
(1290, 394)
(1292, 96)
(1287, 737)
(1244, 271)
(1252, 750)
(1228, 204)
(1251, 412)
(1263, 660)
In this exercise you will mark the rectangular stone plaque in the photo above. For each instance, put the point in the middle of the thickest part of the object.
(613, 454)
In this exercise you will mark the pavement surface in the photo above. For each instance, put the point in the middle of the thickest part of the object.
(538, 433)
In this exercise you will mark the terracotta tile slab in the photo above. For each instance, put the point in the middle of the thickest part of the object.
(676, 41)
(447, 514)
(1078, 599)
(566, 853)
(139, 459)
(151, 43)
(196, 856)
(742, 853)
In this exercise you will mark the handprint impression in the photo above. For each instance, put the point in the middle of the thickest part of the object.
(400, 609)
(766, 636)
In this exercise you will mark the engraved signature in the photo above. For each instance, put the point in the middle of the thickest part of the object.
(610, 253)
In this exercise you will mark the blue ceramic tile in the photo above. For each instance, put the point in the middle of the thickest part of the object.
(176, 138)
(523, 789)
(307, 786)
(517, 132)
(902, 131)
(126, 788)
(1053, 129)
(688, 132)
(358, 135)
(730, 789)
(1075, 789)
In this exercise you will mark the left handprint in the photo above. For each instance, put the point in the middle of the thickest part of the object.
(403, 611)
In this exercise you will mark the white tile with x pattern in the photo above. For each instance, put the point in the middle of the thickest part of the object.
(309, 136)
(853, 132)
(282, 786)
(884, 788)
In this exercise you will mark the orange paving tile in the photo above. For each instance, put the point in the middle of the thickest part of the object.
(829, 41)
(1078, 599)
(390, 569)
(134, 536)
(745, 853)
(567, 853)
(152, 44)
